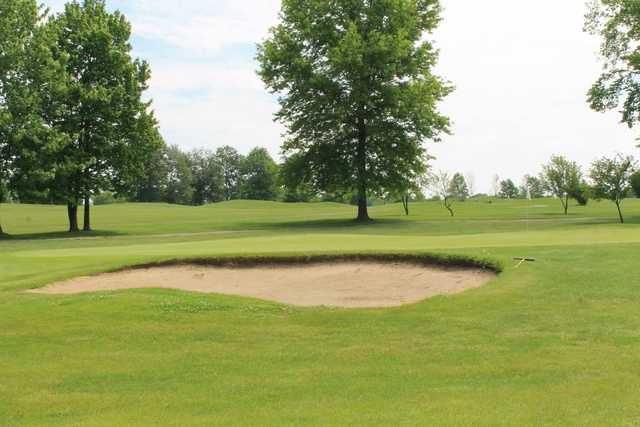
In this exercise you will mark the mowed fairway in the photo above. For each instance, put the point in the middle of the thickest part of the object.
(556, 342)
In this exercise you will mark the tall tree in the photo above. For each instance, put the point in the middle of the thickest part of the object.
(612, 179)
(101, 110)
(260, 176)
(25, 140)
(562, 178)
(231, 162)
(357, 91)
(617, 22)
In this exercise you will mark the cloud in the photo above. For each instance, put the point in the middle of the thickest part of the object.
(202, 26)
(210, 105)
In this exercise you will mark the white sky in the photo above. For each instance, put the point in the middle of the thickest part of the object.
(521, 69)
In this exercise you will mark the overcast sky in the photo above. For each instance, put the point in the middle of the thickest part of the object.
(521, 71)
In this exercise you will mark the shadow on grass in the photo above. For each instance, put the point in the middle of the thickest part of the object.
(60, 235)
(331, 224)
(612, 220)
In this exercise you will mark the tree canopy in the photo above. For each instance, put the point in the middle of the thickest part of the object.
(23, 134)
(208, 177)
(617, 22)
(260, 176)
(230, 161)
(357, 91)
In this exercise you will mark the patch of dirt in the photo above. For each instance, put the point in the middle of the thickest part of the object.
(346, 284)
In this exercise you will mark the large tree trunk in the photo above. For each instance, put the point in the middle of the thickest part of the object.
(87, 214)
(72, 211)
(363, 209)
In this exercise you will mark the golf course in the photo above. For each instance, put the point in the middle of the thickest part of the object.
(319, 213)
(555, 341)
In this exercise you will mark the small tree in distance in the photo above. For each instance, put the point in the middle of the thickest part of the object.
(405, 193)
(259, 176)
(612, 179)
(508, 190)
(562, 178)
(532, 187)
(440, 185)
(231, 162)
(208, 177)
(179, 180)
(459, 188)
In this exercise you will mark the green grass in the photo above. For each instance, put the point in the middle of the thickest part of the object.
(556, 342)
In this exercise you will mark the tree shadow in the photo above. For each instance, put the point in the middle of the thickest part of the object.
(628, 220)
(331, 224)
(60, 235)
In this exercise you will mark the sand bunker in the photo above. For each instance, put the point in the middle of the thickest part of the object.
(348, 284)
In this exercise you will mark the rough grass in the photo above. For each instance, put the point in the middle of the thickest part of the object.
(551, 342)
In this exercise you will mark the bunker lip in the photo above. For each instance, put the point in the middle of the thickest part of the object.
(354, 281)
(427, 260)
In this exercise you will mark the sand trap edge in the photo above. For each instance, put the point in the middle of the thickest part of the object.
(426, 260)
(377, 293)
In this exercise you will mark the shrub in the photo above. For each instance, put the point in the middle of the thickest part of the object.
(581, 194)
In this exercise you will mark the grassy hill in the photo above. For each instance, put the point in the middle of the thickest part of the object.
(553, 342)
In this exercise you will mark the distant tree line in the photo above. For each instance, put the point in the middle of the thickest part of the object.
(611, 179)
(200, 177)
